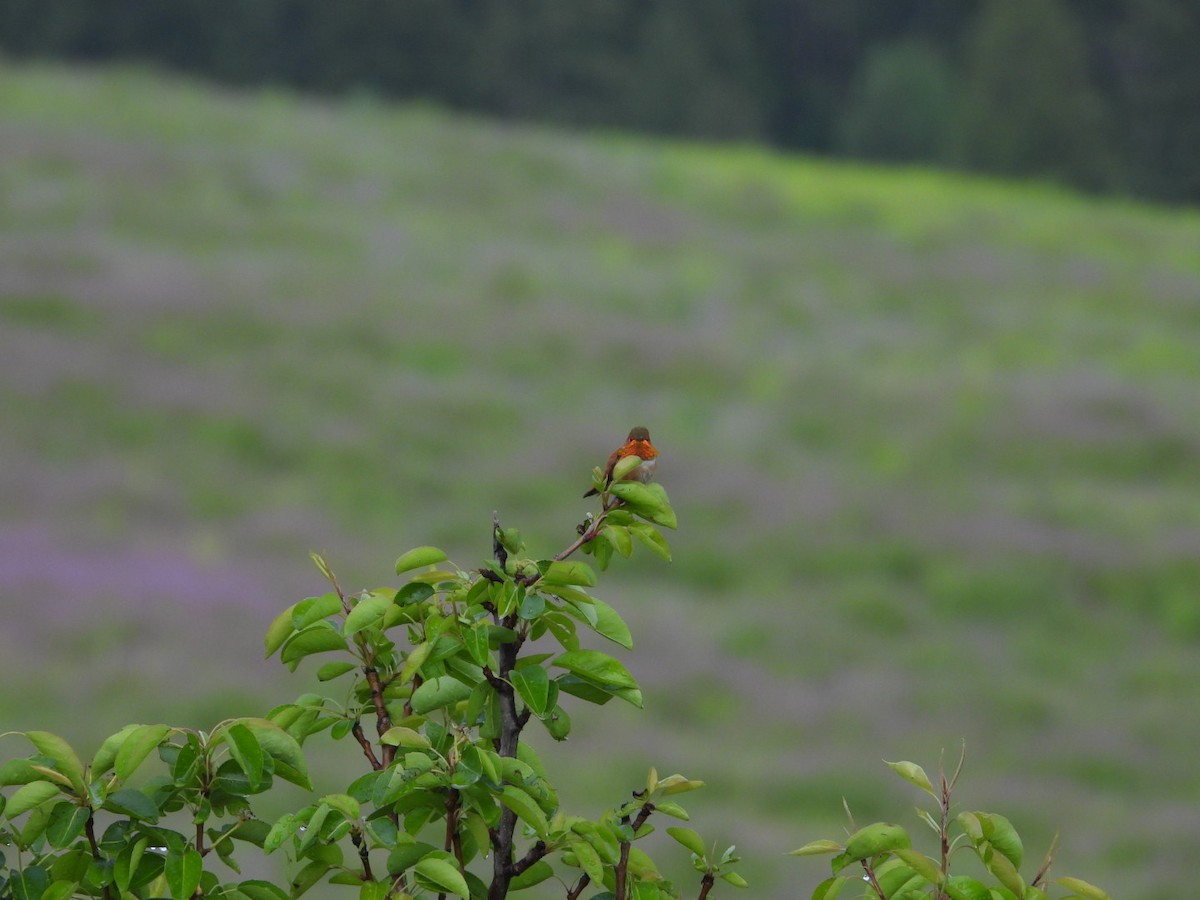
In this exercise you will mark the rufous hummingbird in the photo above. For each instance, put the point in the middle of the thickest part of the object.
(638, 445)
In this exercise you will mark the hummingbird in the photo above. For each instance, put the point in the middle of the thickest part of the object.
(637, 444)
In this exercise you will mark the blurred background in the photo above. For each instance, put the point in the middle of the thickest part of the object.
(908, 295)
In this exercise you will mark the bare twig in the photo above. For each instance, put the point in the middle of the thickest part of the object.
(1041, 872)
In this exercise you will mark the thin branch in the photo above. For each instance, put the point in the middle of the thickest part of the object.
(498, 549)
(357, 730)
(453, 841)
(536, 852)
(588, 534)
(622, 868)
(872, 880)
(504, 869)
(90, 829)
(383, 721)
(363, 855)
(944, 826)
(706, 884)
(623, 862)
(574, 892)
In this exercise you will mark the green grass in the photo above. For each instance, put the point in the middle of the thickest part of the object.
(932, 440)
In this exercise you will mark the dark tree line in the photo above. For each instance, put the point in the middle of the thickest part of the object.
(1102, 94)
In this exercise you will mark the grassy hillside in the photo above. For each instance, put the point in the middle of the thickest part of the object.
(934, 443)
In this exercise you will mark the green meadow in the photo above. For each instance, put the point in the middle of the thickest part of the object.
(933, 442)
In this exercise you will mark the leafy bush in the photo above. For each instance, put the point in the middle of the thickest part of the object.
(892, 869)
(437, 680)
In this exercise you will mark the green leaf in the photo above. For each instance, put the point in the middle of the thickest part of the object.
(589, 860)
(1082, 888)
(19, 771)
(26, 797)
(963, 887)
(596, 667)
(436, 693)
(132, 803)
(415, 659)
(278, 631)
(308, 876)
(689, 839)
(136, 746)
(562, 628)
(404, 856)
(382, 831)
(602, 550)
(66, 823)
(343, 803)
(735, 879)
(475, 639)
(29, 883)
(921, 864)
(374, 890)
(610, 625)
(815, 848)
(652, 538)
(578, 598)
(418, 557)
(526, 809)
(829, 888)
(632, 696)
(285, 826)
(677, 784)
(126, 864)
(533, 685)
(256, 889)
(414, 592)
(535, 874)
(246, 751)
(914, 775)
(647, 500)
(568, 572)
(443, 876)
(584, 690)
(641, 865)
(618, 537)
(60, 890)
(871, 841)
(289, 759)
(1006, 873)
(332, 670)
(183, 871)
(368, 612)
(106, 756)
(64, 757)
(320, 637)
(400, 736)
(532, 606)
(671, 808)
(315, 609)
(999, 832)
